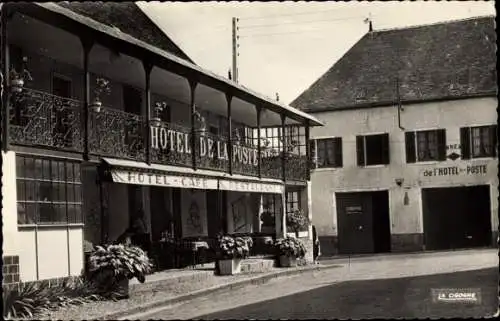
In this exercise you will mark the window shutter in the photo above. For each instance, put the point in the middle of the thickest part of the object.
(360, 150)
(312, 153)
(411, 156)
(441, 140)
(493, 132)
(465, 142)
(337, 142)
(386, 155)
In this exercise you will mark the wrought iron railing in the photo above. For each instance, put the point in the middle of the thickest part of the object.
(116, 133)
(38, 118)
(41, 119)
(212, 151)
(170, 144)
(296, 167)
(245, 159)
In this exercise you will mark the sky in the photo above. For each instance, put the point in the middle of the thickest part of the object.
(285, 46)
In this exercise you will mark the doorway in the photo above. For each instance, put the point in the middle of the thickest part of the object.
(456, 217)
(363, 222)
(62, 133)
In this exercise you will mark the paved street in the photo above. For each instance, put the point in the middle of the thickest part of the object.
(397, 286)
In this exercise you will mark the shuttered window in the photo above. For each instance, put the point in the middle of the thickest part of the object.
(480, 141)
(326, 152)
(427, 145)
(372, 150)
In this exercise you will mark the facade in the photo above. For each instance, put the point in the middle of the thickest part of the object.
(115, 122)
(407, 160)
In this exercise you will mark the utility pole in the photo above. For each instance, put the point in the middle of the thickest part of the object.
(235, 50)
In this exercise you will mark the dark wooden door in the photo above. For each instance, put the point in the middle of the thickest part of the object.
(355, 223)
(213, 213)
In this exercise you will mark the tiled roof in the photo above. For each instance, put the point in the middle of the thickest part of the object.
(130, 19)
(439, 61)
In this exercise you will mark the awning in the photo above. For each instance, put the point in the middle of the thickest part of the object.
(139, 173)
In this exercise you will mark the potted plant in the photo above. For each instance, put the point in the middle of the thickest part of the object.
(18, 79)
(230, 252)
(297, 221)
(112, 266)
(102, 87)
(200, 121)
(159, 107)
(289, 250)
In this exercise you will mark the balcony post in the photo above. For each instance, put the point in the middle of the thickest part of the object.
(229, 99)
(192, 86)
(308, 150)
(147, 71)
(5, 79)
(284, 143)
(87, 45)
(259, 148)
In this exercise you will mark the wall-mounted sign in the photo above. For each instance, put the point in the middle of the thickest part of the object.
(351, 210)
(456, 170)
(179, 142)
(252, 187)
(153, 179)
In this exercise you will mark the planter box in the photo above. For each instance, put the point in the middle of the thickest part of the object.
(229, 267)
(121, 288)
(288, 261)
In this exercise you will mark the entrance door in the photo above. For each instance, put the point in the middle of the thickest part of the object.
(355, 223)
(457, 217)
(161, 216)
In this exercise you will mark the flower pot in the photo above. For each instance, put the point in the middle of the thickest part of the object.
(288, 261)
(121, 288)
(230, 267)
(96, 106)
(17, 85)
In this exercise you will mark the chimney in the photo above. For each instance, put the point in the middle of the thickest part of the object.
(229, 74)
(370, 27)
(277, 97)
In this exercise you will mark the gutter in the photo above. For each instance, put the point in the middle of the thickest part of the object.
(407, 102)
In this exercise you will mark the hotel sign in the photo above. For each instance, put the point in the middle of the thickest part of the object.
(180, 142)
(456, 170)
(164, 180)
(153, 179)
(252, 187)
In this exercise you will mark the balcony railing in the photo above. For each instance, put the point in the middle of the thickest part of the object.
(117, 134)
(43, 120)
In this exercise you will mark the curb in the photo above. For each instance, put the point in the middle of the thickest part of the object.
(218, 288)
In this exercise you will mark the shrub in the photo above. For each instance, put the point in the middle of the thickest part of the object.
(291, 247)
(116, 261)
(229, 247)
(33, 298)
(297, 221)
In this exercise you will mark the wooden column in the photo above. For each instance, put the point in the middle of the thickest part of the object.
(87, 45)
(259, 148)
(147, 71)
(308, 151)
(229, 99)
(5, 79)
(283, 156)
(192, 85)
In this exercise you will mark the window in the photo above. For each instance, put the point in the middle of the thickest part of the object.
(326, 152)
(428, 145)
(372, 149)
(48, 191)
(292, 202)
(478, 141)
